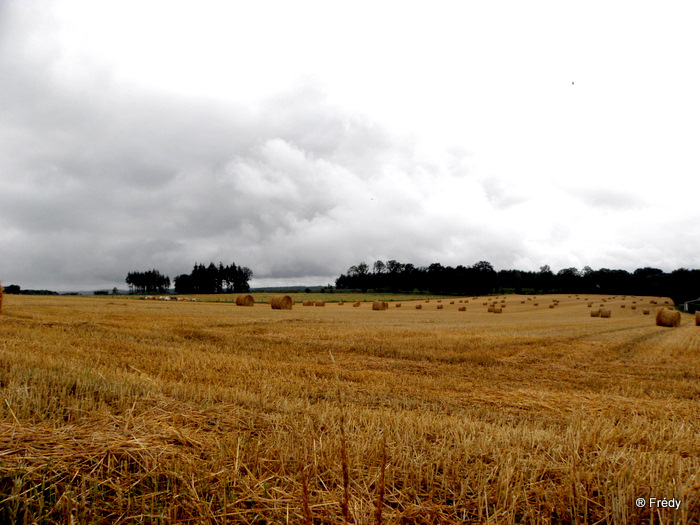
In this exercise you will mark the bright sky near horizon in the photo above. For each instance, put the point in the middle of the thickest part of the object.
(300, 138)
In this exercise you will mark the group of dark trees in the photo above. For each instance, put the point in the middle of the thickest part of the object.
(202, 279)
(214, 279)
(151, 281)
(15, 289)
(481, 278)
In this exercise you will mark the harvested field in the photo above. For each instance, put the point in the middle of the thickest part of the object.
(124, 411)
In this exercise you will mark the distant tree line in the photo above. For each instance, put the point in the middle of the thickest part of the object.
(151, 281)
(481, 278)
(15, 289)
(202, 279)
(214, 279)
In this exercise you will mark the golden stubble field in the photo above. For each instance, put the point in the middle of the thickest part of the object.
(128, 411)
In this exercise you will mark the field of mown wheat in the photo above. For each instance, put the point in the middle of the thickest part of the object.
(127, 411)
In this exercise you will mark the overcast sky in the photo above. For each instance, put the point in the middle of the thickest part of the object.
(300, 138)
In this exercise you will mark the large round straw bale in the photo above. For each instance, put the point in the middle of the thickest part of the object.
(645, 312)
(462, 308)
(595, 313)
(427, 300)
(697, 316)
(320, 303)
(245, 300)
(633, 307)
(419, 306)
(622, 306)
(551, 306)
(535, 304)
(440, 307)
(605, 312)
(497, 310)
(491, 309)
(356, 304)
(452, 302)
(590, 304)
(485, 304)
(307, 303)
(281, 302)
(461, 301)
(340, 303)
(380, 305)
(398, 305)
(666, 317)
(439, 300)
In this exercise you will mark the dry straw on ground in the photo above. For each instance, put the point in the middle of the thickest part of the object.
(281, 302)
(245, 300)
(605, 312)
(380, 305)
(666, 317)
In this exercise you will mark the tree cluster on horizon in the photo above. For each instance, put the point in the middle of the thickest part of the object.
(214, 279)
(481, 278)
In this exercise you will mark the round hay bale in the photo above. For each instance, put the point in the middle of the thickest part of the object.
(491, 309)
(439, 300)
(551, 306)
(356, 304)
(697, 314)
(590, 305)
(320, 303)
(595, 313)
(605, 312)
(666, 317)
(522, 302)
(466, 302)
(398, 305)
(380, 305)
(633, 307)
(245, 300)
(645, 312)
(462, 308)
(622, 306)
(498, 310)
(307, 303)
(461, 301)
(340, 303)
(485, 304)
(535, 304)
(452, 302)
(281, 302)
(419, 306)
(440, 307)
(427, 300)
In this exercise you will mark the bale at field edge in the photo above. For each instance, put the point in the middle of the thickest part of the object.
(245, 300)
(281, 302)
(380, 305)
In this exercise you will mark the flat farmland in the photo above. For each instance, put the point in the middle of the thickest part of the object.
(117, 410)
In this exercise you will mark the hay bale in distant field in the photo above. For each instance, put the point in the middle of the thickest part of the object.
(485, 304)
(498, 310)
(462, 308)
(595, 313)
(551, 306)
(380, 305)
(320, 303)
(440, 307)
(398, 305)
(356, 304)
(340, 303)
(427, 300)
(452, 302)
(590, 305)
(697, 318)
(666, 317)
(633, 307)
(605, 312)
(439, 300)
(307, 303)
(535, 304)
(645, 312)
(461, 301)
(419, 306)
(622, 306)
(491, 309)
(245, 300)
(281, 302)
